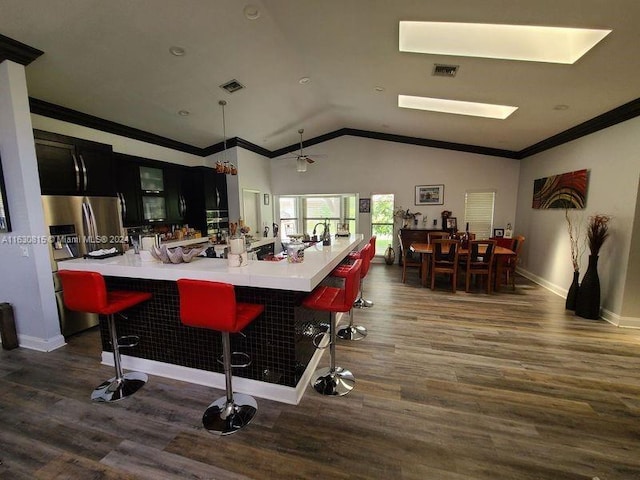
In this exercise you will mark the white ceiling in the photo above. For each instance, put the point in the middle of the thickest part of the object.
(111, 59)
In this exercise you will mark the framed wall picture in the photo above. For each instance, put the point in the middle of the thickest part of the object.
(429, 195)
(5, 222)
(452, 223)
(365, 205)
(498, 232)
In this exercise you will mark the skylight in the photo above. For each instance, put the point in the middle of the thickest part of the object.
(486, 110)
(509, 42)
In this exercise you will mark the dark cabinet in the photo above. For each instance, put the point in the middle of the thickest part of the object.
(177, 185)
(69, 166)
(207, 192)
(128, 190)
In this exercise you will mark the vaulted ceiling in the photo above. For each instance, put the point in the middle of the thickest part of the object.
(111, 59)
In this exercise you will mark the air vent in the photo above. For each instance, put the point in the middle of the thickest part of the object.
(232, 86)
(445, 70)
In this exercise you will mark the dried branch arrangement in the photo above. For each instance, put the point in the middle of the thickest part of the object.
(574, 228)
(597, 232)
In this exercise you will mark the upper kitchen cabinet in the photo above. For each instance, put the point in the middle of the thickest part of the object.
(70, 166)
(177, 187)
(128, 189)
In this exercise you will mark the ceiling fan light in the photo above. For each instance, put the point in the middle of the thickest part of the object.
(301, 165)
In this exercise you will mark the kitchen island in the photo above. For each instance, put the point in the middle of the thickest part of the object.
(279, 341)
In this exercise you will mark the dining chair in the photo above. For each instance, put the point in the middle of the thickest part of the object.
(512, 262)
(435, 235)
(444, 259)
(480, 262)
(409, 259)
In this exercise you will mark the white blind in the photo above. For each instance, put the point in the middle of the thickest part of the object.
(478, 213)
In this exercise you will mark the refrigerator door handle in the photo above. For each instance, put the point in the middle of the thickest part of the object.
(84, 172)
(77, 169)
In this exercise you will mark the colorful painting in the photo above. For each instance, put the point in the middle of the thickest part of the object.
(567, 190)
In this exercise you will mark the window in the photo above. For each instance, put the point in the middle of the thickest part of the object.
(478, 213)
(382, 221)
(302, 213)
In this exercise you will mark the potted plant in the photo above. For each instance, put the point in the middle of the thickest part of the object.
(588, 298)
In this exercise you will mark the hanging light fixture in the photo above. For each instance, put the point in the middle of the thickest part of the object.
(301, 165)
(225, 166)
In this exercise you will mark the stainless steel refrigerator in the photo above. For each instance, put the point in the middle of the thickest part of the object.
(77, 226)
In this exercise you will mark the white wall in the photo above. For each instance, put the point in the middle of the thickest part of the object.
(254, 173)
(611, 156)
(26, 281)
(366, 166)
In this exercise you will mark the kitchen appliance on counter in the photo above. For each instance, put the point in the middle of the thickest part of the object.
(77, 226)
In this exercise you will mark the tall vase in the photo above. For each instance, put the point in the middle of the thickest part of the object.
(570, 304)
(389, 255)
(588, 298)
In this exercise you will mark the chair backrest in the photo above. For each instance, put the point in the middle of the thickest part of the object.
(518, 241)
(445, 250)
(365, 255)
(83, 291)
(481, 253)
(352, 284)
(431, 236)
(208, 304)
(372, 242)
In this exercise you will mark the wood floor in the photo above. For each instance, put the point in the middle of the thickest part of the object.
(448, 387)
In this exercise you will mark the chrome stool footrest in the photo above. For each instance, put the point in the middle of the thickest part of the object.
(128, 341)
(245, 356)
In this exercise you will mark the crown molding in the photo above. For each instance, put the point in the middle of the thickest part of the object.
(18, 52)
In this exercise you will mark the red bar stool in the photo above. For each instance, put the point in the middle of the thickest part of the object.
(212, 305)
(361, 302)
(334, 380)
(87, 292)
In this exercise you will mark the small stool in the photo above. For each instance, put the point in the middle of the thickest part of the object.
(87, 292)
(335, 380)
(212, 305)
(351, 331)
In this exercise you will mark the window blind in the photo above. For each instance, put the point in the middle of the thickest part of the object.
(478, 213)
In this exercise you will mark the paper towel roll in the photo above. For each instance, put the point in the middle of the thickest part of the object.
(148, 243)
(237, 245)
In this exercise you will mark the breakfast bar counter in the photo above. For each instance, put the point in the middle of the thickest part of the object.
(279, 341)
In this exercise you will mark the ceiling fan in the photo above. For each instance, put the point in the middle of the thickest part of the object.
(303, 159)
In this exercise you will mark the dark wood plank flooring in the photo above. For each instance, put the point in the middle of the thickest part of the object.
(449, 387)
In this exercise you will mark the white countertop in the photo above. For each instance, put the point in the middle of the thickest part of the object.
(259, 242)
(318, 262)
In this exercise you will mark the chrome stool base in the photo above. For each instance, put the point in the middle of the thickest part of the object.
(352, 332)
(224, 418)
(116, 389)
(337, 382)
(362, 303)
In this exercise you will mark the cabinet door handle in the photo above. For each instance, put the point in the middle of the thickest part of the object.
(183, 206)
(123, 205)
(77, 169)
(84, 172)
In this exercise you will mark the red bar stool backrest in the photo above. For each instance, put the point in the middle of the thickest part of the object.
(365, 255)
(372, 242)
(83, 291)
(213, 305)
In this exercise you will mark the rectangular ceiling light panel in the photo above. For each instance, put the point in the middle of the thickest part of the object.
(508, 42)
(486, 110)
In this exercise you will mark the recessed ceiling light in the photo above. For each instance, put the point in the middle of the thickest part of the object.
(251, 12)
(509, 42)
(177, 51)
(304, 80)
(455, 106)
(183, 113)
(561, 107)
(379, 89)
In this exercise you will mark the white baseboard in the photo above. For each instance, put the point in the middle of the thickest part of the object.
(612, 318)
(41, 344)
(269, 391)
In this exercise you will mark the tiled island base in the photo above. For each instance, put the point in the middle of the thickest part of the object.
(279, 342)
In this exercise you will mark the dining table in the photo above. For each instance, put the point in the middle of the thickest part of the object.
(500, 256)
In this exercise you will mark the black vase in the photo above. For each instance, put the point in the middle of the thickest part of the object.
(570, 304)
(588, 298)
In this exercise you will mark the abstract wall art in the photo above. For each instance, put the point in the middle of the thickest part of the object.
(567, 190)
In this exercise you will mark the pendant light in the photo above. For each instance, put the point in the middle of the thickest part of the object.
(225, 166)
